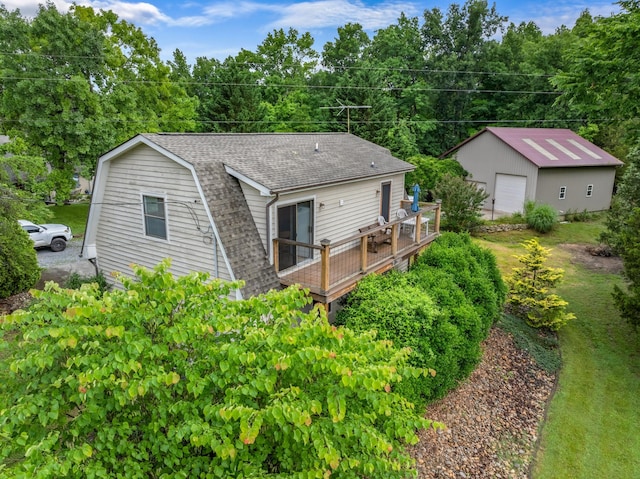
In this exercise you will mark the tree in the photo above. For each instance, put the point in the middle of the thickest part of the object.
(23, 186)
(168, 377)
(77, 83)
(529, 297)
(429, 171)
(599, 78)
(622, 235)
(461, 202)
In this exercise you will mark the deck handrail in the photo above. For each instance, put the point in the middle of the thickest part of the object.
(326, 247)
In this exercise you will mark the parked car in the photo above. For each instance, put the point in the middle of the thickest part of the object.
(48, 235)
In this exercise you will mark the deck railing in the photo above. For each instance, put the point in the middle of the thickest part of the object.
(331, 269)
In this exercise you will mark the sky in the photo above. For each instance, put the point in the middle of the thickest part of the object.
(221, 28)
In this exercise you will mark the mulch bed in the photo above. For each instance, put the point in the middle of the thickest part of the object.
(492, 419)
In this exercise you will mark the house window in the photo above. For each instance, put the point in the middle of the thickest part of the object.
(155, 220)
(563, 193)
(589, 191)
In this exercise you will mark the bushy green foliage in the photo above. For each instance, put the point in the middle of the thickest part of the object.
(171, 378)
(461, 203)
(542, 218)
(529, 297)
(430, 170)
(628, 300)
(442, 309)
(75, 281)
(579, 216)
(473, 268)
(399, 312)
(19, 270)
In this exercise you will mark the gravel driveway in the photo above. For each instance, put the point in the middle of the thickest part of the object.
(58, 266)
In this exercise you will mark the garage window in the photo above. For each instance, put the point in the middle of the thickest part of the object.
(563, 193)
(155, 220)
(589, 191)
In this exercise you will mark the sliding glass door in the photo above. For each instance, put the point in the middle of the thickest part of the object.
(295, 222)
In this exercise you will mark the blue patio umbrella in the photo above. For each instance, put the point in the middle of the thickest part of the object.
(416, 194)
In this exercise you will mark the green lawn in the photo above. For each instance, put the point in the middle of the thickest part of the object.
(593, 424)
(74, 215)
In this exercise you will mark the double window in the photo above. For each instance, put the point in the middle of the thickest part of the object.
(563, 193)
(155, 217)
(589, 191)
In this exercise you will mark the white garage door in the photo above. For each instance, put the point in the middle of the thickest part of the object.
(509, 193)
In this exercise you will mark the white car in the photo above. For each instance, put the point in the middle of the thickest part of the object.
(51, 235)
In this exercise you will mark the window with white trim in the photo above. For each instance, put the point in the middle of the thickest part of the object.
(563, 193)
(589, 191)
(155, 219)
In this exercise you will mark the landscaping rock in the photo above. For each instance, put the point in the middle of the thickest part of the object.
(492, 419)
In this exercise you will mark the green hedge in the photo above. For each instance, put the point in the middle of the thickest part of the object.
(19, 270)
(442, 308)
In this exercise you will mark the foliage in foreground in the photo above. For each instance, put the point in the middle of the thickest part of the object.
(170, 378)
(529, 297)
(442, 309)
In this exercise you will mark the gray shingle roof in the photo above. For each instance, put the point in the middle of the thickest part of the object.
(287, 161)
(279, 162)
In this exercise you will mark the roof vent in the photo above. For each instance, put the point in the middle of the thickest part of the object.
(316, 147)
(373, 165)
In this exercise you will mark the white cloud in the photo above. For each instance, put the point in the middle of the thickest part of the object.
(550, 17)
(335, 13)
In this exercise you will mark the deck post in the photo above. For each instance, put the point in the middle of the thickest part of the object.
(436, 226)
(324, 272)
(395, 232)
(363, 253)
(418, 228)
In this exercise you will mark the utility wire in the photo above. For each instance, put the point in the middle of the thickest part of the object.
(292, 86)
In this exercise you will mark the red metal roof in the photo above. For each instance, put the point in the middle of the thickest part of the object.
(550, 147)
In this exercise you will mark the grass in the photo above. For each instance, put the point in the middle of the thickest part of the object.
(593, 420)
(73, 215)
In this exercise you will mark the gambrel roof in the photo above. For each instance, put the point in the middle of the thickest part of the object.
(281, 162)
(272, 163)
(548, 147)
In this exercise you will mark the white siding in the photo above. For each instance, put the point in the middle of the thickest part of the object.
(345, 207)
(120, 237)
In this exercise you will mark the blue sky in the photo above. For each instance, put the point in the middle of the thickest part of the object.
(221, 28)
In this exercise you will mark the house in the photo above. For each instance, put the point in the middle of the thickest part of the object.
(546, 165)
(270, 209)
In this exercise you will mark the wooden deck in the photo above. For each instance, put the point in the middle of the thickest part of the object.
(336, 269)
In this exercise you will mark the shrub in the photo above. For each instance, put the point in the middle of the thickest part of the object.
(542, 218)
(170, 378)
(19, 270)
(75, 281)
(473, 269)
(442, 309)
(529, 297)
(461, 203)
(398, 312)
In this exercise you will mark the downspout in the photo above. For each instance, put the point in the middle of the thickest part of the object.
(269, 204)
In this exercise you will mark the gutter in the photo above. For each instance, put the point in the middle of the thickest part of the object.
(268, 207)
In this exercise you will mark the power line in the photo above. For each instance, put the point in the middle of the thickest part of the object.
(324, 66)
(293, 86)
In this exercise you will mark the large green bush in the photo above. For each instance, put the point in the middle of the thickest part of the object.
(19, 270)
(170, 378)
(473, 268)
(442, 309)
